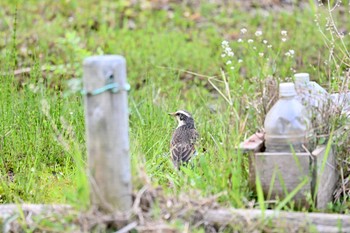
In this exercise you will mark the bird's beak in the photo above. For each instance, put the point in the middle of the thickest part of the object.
(172, 114)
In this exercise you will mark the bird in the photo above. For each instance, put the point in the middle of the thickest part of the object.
(184, 138)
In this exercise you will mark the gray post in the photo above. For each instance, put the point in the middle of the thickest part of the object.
(106, 118)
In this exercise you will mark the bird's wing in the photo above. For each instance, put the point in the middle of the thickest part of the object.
(182, 152)
(195, 136)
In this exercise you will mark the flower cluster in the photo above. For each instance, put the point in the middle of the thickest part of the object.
(290, 53)
(228, 53)
(256, 51)
(284, 35)
(258, 33)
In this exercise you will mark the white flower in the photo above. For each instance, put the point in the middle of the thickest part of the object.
(239, 40)
(258, 33)
(223, 55)
(232, 68)
(230, 54)
(284, 33)
(240, 60)
(228, 49)
(224, 43)
(284, 39)
(261, 54)
(250, 41)
(243, 30)
(228, 62)
(269, 46)
(265, 41)
(287, 54)
(291, 51)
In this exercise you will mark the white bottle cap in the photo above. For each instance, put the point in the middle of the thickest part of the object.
(302, 79)
(287, 89)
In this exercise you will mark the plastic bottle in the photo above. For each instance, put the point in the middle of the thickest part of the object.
(311, 94)
(287, 123)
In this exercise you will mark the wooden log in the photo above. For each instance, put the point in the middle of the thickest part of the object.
(8, 210)
(248, 219)
(106, 116)
(327, 223)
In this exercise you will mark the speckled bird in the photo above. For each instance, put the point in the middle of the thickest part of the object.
(182, 145)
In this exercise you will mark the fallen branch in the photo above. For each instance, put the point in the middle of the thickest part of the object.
(322, 222)
(8, 210)
(198, 212)
(50, 68)
(249, 220)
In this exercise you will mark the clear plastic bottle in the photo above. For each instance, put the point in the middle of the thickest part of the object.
(311, 94)
(287, 123)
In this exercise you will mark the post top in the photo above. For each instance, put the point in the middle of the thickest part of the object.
(103, 59)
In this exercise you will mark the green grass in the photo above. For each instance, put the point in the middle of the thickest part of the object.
(42, 139)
